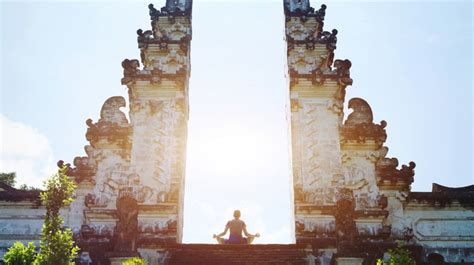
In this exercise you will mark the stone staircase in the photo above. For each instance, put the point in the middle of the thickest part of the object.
(202, 254)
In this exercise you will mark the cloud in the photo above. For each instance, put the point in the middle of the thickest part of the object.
(24, 150)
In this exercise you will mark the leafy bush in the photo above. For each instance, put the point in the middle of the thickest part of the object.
(19, 254)
(134, 261)
(398, 256)
(56, 245)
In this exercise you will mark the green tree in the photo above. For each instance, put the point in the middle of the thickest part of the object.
(8, 178)
(398, 256)
(19, 254)
(134, 261)
(29, 188)
(56, 244)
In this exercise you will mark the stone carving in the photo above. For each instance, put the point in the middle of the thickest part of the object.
(172, 62)
(159, 227)
(362, 113)
(330, 39)
(386, 171)
(324, 227)
(343, 71)
(298, 32)
(321, 170)
(304, 61)
(176, 31)
(154, 13)
(112, 124)
(96, 230)
(359, 125)
(130, 71)
(320, 13)
(94, 201)
(363, 131)
(111, 113)
(144, 37)
(345, 224)
(126, 231)
(85, 167)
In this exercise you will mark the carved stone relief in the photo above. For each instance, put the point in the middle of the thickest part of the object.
(321, 168)
(359, 172)
(172, 62)
(176, 31)
(315, 226)
(304, 61)
(126, 230)
(156, 153)
(159, 226)
(299, 32)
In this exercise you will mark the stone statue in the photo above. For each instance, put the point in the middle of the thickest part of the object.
(343, 71)
(125, 235)
(143, 36)
(154, 13)
(342, 67)
(345, 224)
(321, 13)
(329, 38)
(130, 70)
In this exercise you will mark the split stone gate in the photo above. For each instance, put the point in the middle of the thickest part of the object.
(351, 202)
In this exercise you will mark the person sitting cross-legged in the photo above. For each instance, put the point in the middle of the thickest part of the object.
(236, 227)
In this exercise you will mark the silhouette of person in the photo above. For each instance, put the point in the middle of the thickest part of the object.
(236, 227)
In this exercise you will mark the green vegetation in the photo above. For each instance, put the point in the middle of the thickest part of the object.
(56, 244)
(398, 256)
(134, 261)
(8, 178)
(20, 254)
(26, 187)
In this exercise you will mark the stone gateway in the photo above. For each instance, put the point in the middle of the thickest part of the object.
(351, 203)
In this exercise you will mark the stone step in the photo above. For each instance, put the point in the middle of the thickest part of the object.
(202, 254)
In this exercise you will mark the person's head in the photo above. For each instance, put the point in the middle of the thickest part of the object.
(237, 214)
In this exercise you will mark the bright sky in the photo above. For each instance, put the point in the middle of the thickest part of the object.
(412, 61)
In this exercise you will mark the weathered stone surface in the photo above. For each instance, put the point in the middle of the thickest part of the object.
(131, 183)
(330, 156)
(351, 202)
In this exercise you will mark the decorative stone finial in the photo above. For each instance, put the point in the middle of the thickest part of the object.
(362, 112)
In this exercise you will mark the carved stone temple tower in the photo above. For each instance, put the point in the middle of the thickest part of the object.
(131, 184)
(351, 203)
(349, 199)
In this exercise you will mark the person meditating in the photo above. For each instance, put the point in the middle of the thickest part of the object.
(236, 227)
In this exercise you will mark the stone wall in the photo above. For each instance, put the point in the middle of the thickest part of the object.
(21, 217)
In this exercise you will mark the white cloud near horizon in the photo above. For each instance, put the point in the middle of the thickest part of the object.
(24, 150)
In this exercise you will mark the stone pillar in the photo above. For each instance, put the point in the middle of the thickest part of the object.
(317, 89)
(158, 116)
(141, 159)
